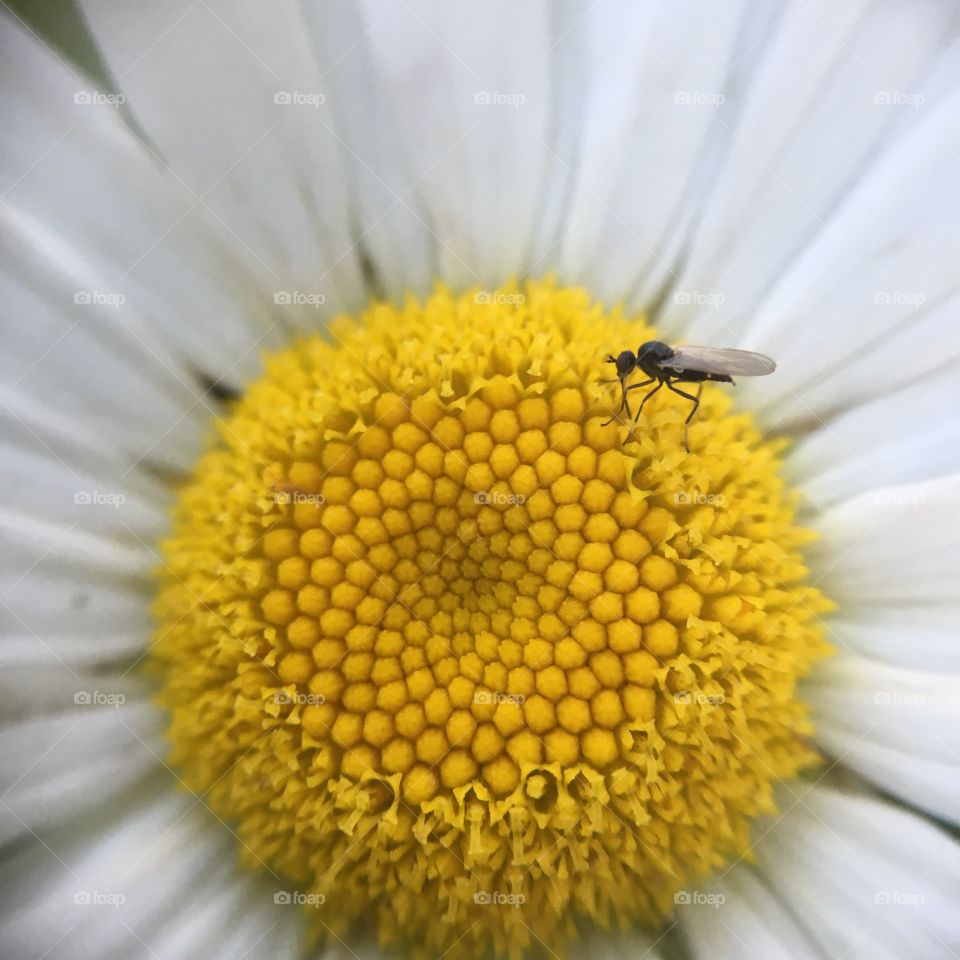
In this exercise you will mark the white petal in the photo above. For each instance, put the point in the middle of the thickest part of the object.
(204, 85)
(861, 280)
(808, 128)
(74, 511)
(924, 343)
(68, 646)
(617, 946)
(93, 215)
(78, 530)
(837, 874)
(237, 918)
(157, 880)
(63, 698)
(475, 167)
(864, 878)
(393, 231)
(899, 728)
(924, 638)
(738, 915)
(81, 363)
(30, 542)
(652, 128)
(106, 497)
(93, 748)
(892, 547)
(51, 616)
(900, 437)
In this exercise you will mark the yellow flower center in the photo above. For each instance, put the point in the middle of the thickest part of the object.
(452, 654)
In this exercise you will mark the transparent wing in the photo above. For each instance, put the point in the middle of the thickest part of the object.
(743, 363)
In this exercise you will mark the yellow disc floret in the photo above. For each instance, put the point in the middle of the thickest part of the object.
(447, 650)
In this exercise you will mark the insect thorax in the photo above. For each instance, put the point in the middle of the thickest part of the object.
(651, 355)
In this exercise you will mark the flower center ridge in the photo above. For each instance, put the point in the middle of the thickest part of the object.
(449, 653)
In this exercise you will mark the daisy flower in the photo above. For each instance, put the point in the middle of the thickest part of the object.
(344, 612)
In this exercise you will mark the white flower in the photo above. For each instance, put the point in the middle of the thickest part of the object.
(782, 178)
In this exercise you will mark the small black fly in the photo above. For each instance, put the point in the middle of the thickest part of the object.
(668, 366)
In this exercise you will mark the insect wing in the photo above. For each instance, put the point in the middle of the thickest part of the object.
(743, 363)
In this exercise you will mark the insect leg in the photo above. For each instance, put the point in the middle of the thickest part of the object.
(693, 409)
(623, 403)
(623, 399)
(635, 386)
(646, 398)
